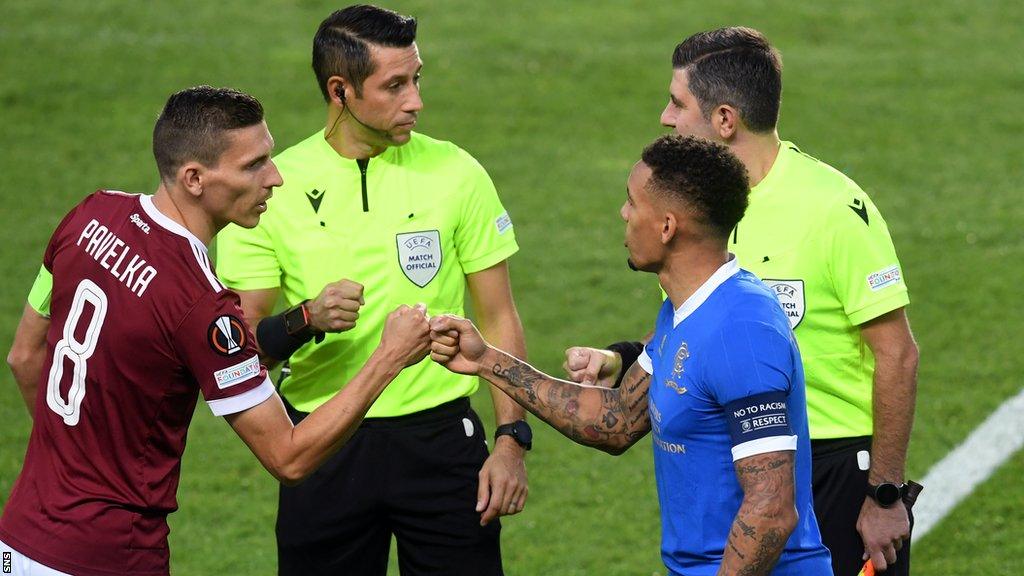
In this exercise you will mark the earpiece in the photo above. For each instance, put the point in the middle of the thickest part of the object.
(339, 91)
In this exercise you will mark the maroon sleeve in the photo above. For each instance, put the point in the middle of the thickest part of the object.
(217, 347)
(58, 234)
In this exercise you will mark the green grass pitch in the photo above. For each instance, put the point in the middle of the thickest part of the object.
(917, 101)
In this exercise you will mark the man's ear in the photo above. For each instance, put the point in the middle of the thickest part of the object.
(190, 178)
(725, 121)
(669, 227)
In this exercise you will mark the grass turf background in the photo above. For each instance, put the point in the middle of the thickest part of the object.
(917, 101)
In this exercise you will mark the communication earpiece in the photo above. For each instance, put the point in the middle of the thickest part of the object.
(339, 91)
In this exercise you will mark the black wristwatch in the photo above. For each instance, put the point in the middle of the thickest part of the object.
(296, 323)
(887, 493)
(519, 431)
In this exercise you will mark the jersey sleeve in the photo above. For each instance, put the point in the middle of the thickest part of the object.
(484, 236)
(217, 348)
(865, 271)
(246, 259)
(748, 368)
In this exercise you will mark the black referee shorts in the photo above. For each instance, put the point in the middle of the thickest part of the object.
(412, 476)
(839, 487)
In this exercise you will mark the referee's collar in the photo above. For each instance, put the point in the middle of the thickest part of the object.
(726, 271)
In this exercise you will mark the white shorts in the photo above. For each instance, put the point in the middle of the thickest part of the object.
(16, 563)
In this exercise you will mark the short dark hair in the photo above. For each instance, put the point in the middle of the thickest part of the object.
(703, 175)
(193, 123)
(340, 47)
(735, 66)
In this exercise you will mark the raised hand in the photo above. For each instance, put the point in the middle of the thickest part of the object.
(336, 309)
(406, 336)
(592, 366)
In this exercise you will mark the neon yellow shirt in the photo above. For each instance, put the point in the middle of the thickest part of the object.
(427, 216)
(814, 236)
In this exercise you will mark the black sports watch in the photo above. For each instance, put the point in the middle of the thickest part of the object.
(296, 323)
(519, 431)
(887, 493)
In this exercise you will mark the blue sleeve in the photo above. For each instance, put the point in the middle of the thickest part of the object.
(748, 369)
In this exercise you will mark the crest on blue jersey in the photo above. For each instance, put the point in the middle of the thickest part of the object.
(677, 369)
(419, 255)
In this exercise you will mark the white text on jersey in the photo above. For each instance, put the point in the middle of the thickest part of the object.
(110, 251)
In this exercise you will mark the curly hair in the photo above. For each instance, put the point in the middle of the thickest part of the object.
(704, 176)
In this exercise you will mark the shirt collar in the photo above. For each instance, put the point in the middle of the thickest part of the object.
(165, 222)
(726, 271)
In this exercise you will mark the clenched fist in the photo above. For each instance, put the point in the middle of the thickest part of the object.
(336, 309)
(406, 336)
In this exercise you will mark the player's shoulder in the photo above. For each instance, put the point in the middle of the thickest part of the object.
(105, 198)
(750, 301)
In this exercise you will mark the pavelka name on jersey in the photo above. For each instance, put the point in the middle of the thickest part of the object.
(112, 254)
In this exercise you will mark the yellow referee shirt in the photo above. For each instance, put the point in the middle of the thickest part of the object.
(408, 224)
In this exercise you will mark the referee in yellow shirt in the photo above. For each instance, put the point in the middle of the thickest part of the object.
(371, 215)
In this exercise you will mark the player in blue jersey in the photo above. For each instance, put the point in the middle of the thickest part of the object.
(720, 384)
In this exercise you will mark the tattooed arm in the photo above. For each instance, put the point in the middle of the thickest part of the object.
(608, 419)
(766, 517)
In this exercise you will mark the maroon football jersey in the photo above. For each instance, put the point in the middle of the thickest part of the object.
(139, 325)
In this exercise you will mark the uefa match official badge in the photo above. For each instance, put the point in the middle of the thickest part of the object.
(791, 296)
(419, 255)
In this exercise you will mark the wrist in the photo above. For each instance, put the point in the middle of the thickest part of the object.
(387, 361)
(488, 361)
(507, 443)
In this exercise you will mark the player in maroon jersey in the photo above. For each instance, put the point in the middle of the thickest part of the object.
(127, 323)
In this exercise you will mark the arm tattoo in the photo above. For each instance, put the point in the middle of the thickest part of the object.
(611, 419)
(767, 516)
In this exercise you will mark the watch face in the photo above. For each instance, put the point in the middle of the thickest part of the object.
(522, 432)
(887, 494)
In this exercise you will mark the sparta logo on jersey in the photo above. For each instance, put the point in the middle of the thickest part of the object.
(226, 335)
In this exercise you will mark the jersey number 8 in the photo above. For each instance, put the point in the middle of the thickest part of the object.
(78, 352)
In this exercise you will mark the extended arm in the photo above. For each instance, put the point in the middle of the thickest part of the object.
(28, 353)
(893, 399)
(290, 453)
(608, 419)
(767, 515)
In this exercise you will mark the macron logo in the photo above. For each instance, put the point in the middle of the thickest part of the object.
(140, 223)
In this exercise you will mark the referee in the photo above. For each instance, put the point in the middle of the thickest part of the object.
(817, 239)
(402, 218)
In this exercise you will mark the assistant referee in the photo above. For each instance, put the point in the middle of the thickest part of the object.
(403, 218)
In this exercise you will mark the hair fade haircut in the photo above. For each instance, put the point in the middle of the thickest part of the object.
(194, 123)
(735, 66)
(708, 179)
(341, 45)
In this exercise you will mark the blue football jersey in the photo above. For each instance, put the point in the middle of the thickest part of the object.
(727, 383)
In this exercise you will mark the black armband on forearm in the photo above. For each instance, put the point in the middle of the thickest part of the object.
(629, 352)
(281, 335)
